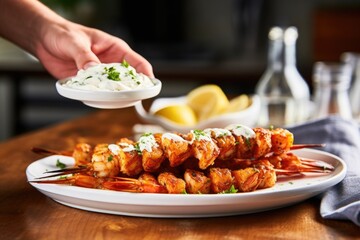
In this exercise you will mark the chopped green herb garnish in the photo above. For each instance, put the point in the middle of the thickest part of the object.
(198, 134)
(232, 189)
(60, 164)
(110, 158)
(125, 63)
(88, 77)
(112, 74)
(137, 148)
(146, 134)
(131, 72)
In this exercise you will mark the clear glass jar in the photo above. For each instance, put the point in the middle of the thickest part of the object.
(331, 85)
(354, 60)
(284, 94)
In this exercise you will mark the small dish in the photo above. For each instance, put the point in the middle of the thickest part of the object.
(108, 99)
(248, 116)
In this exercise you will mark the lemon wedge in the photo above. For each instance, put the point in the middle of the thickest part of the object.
(207, 101)
(238, 103)
(180, 114)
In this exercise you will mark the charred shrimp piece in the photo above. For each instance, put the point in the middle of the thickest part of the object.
(281, 140)
(175, 148)
(263, 142)
(173, 184)
(224, 140)
(82, 153)
(129, 159)
(203, 148)
(105, 162)
(221, 179)
(196, 182)
(261, 175)
(244, 140)
(151, 150)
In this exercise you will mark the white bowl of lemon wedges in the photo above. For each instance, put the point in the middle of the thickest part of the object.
(204, 107)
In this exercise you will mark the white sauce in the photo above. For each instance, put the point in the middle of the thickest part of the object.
(241, 130)
(173, 136)
(219, 132)
(127, 147)
(200, 136)
(147, 142)
(115, 149)
(97, 78)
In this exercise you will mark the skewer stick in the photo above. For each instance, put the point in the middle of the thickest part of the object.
(300, 146)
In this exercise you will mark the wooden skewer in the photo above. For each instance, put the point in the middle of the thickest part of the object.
(300, 146)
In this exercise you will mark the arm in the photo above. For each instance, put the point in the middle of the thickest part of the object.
(63, 47)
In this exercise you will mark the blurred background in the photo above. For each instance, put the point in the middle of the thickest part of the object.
(189, 43)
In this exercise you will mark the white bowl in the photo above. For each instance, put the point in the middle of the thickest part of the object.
(108, 99)
(248, 116)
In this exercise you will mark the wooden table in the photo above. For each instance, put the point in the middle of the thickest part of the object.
(28, 214)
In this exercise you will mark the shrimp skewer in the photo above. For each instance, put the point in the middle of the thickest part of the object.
(209, 147)
(217, 180)
(284, 164)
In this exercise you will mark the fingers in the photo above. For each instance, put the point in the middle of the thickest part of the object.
(85, 58)
(97, 46)
(139, 63)
(89, 64)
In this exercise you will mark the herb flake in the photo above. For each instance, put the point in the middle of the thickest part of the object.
(60, 164)
(232, 189)
(112, 74)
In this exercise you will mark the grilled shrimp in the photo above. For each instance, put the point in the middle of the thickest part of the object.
(152, 152)
(104, 162)
(210, 161)
(82, 154)
(172, 183)
(262, 175)
(176, 149)
(203, 148)
(196, 182)
(221, 179)
(129, 158)
(224, 140)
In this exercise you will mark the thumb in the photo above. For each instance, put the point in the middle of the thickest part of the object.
(89, 64)
(85, 59)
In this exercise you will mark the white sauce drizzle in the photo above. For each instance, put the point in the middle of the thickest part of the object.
(198, 135)
(147, 142)
(241, 130)
(115, 149)
(219, 132)
(173, 136)
(126, 147)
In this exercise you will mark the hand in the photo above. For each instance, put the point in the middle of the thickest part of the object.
(65, 48)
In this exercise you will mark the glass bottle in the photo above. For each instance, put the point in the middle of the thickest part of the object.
(284, 94)
(331, 84)
(354, 60)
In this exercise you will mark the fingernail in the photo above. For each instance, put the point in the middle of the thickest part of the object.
(90, 64)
